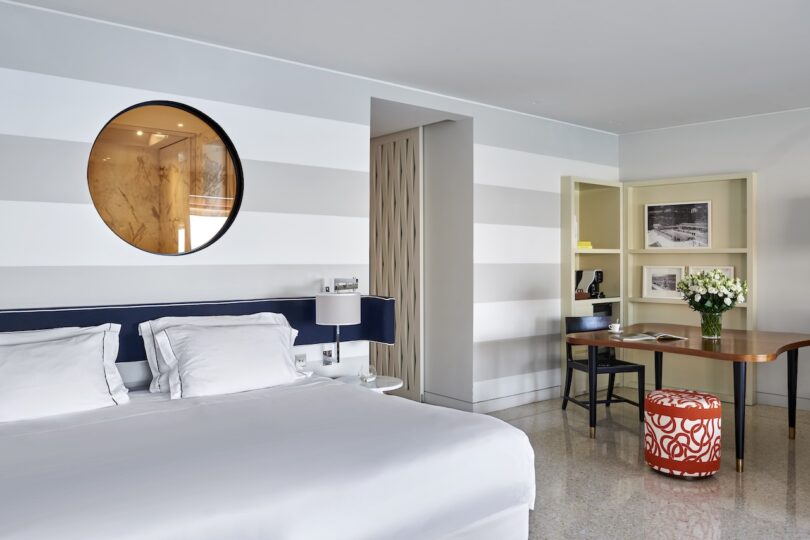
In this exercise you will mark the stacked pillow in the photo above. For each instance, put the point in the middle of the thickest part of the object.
(200, 356)
(60, 370)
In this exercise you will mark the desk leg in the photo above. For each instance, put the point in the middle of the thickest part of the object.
(592, 352)
(793, 373)
(659, 369)
(739, 411)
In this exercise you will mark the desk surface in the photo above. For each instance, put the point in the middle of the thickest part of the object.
(733, 345)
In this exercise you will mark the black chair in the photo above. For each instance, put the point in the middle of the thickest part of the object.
(606, 363)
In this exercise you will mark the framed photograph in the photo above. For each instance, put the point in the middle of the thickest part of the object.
(678, 225)
(661, 281)
(727, 270)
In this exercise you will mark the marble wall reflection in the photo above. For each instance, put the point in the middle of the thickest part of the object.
(175, 175)
(155, 172)
(124, 182)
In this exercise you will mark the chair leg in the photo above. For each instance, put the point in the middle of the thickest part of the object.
(569, 372)
(611, 381)
(641, 383)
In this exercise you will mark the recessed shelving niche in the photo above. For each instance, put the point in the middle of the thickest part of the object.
(611, 216)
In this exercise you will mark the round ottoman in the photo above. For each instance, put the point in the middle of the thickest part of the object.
(682, 432)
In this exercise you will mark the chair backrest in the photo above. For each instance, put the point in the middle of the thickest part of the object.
(584, 324)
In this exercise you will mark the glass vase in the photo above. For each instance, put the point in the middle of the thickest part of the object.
(711, 325)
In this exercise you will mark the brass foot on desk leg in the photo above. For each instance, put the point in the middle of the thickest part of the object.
(593, 433)
(792, 433)
(739, 465)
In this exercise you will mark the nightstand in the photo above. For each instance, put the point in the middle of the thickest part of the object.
(381, 384)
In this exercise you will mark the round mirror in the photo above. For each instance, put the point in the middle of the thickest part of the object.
(165, 178)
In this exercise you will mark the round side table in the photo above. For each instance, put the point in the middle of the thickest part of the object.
(381, 384)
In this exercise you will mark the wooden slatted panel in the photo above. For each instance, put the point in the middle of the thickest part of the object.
(395, 252)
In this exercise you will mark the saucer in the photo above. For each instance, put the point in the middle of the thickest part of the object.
(615, 331)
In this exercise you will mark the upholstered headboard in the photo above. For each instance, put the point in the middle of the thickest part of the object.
(377, 315)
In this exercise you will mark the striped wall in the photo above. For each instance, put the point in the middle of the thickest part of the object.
(303, 136)
(516, 310)
(46, 131)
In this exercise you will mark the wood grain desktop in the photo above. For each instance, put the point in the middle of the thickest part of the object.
(739, 347)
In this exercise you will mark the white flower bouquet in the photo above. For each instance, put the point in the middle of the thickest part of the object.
(711, 294)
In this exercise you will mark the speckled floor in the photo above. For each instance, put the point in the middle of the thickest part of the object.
(601, 488)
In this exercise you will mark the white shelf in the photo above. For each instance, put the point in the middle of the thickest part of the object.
(693, 251)
(597, 251)
(673, 301)
(591, 301)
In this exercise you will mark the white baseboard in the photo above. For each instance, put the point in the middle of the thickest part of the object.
(512, 385)
(444, 401)
(496, 404)
(506, 402)
(779, 400)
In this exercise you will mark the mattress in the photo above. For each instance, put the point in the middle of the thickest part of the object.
(316, 459)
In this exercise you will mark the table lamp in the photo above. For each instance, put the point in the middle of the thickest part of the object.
(337, 309)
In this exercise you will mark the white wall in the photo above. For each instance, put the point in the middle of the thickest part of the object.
(516, 254)
(777, 147)
(448, 277)
(303, 136)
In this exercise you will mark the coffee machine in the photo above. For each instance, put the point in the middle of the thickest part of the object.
(587, 284)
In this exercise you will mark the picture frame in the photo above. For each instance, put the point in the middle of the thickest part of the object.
(681, 225)
(661, 281)
(727, 270)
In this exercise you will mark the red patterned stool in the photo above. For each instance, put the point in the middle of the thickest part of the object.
(682, 432)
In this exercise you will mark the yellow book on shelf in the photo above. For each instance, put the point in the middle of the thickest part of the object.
(583, 244)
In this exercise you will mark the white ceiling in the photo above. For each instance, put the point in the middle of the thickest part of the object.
(620, 66)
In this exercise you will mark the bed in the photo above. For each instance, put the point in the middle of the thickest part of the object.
(313, 459)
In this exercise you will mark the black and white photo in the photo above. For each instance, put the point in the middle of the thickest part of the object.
(661, 281)
(678, 225)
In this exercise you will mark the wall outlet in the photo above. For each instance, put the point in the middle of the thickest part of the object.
(301, 359)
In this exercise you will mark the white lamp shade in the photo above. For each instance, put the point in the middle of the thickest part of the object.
(337, 309)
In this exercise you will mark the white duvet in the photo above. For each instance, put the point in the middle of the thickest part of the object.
(317, 459)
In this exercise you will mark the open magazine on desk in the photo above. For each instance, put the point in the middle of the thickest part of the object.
(651, 336)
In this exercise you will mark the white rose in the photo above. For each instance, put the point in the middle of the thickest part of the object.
(741, 298)
(697, 298)
(727, 301)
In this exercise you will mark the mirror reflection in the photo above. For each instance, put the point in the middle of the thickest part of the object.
(165, 178)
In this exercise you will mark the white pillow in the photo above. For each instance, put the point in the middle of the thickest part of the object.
(116, 384)
(49, 334)
(148, 330)
(71, 374)
(211, 360)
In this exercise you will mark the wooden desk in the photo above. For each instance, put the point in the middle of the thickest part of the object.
(735, 346)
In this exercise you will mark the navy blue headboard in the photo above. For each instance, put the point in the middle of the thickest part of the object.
(376, 312)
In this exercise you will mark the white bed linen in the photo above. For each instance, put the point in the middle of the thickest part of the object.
(315, 459)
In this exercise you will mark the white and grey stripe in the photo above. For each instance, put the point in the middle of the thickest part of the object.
(517, 270)
(269, 187)
(97, 285)
(302, 134)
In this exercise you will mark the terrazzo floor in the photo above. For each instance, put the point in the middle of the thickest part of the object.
(601, 488)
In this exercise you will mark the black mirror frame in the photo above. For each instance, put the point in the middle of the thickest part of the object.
(229, 146)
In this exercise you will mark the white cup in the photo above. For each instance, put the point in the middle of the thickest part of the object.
(615, 327)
